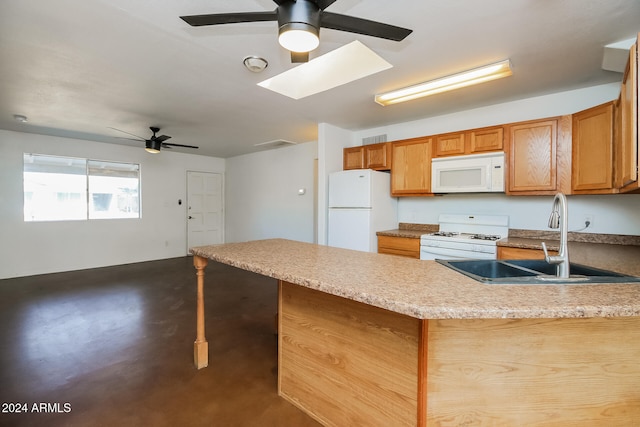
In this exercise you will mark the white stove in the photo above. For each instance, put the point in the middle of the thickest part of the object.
(464, 236)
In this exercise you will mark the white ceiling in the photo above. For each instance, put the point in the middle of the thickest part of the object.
(76, 68)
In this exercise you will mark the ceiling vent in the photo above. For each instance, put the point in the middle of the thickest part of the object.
(276, 143)
(374, 139)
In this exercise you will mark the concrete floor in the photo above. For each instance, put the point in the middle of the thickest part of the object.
(114, 347)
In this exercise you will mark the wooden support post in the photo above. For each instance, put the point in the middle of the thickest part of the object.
(200, 346)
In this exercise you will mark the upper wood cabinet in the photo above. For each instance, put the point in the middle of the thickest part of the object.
(468, 142)
(626, 145)
(411, 167)
(374, 156)
(353, 158)
(378, 156)
(592, 150)
(486, 139)
(538, 154)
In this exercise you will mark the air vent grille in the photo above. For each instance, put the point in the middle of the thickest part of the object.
(374, 139)
(275, 143)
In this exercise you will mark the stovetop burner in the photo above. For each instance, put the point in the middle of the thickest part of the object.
(445, 233)
(486, 237)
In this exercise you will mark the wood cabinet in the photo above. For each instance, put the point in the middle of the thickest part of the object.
(403, 246)
(521, 253)
(626, 145)
(449, 144)
(377, 156)
(374, 156)
(411, 167)
(353, 158)
(538, 154)
(592, 150)
(468, 142)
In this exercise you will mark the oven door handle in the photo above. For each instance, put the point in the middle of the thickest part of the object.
(453, 253)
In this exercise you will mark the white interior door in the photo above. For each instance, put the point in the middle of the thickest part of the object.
(204, 209)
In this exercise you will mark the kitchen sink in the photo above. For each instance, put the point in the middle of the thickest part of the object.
(531, 272)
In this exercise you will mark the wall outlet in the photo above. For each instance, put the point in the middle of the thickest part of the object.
(587, 221)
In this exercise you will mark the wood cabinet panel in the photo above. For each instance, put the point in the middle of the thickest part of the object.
(377, 156)
(533, 372)
(627, 153)
(347, 363)
(592, 159)
(521, 253)
(469, 142)
(374, 156)
(449, 144)
(487, 139)
(411, 167)
(353, 158)
(532, 157)
(403, 246)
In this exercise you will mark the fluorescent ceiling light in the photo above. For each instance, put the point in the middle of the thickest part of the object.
(455, 81)
(343, 65)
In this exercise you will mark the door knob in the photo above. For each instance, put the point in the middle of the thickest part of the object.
(190, 217)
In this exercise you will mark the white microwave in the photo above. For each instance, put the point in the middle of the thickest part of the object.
(475, 173)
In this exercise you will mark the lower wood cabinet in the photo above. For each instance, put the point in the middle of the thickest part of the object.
(521, 253)
(403, 246)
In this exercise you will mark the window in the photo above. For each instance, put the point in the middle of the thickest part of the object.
(64, 188)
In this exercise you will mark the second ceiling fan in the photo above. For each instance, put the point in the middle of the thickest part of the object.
(299, 23)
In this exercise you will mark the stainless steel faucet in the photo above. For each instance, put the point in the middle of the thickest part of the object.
(557, 219)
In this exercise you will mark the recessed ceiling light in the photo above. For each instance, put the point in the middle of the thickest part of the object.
(343, 65)
(20, 118)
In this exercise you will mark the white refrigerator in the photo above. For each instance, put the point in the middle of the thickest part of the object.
(360, 204)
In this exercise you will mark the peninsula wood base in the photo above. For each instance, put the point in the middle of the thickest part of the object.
(348, 363)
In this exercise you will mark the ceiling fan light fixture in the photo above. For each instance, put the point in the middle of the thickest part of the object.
(298, 37)
(456, 81)
(152, 146)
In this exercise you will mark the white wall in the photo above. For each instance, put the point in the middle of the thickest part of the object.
(262, 199)
(611, 214)
(28, 248)
(525, 109)
(615, 214)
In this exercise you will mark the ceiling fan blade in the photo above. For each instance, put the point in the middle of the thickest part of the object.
(162, 138)
(119, 130)
(323, 4)
(299, 57)
(128, 139)
(229, 18)
(352, 24)
(169, 145)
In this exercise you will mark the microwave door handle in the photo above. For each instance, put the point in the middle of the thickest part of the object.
(489, 177)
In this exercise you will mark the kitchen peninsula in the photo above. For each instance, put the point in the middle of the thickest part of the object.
(373, 339)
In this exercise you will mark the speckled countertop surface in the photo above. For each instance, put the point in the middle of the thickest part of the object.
(428, 290)
(411, 231)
